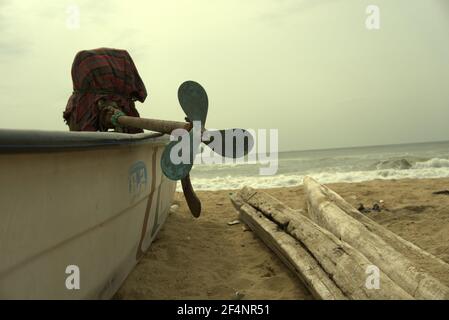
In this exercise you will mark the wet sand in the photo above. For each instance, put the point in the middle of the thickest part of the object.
(206, 258)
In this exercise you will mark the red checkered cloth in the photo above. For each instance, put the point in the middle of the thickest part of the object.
(103, 73)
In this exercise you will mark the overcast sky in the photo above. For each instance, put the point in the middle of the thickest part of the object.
(309, 68)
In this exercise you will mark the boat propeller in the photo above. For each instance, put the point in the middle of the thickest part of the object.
(194, 102)
(179, 155)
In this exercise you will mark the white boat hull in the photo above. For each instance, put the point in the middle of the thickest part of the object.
(94, 209)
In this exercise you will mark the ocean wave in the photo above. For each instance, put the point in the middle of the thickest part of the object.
(411, 163)
(264, 182)
(400, 164)
(432, 163)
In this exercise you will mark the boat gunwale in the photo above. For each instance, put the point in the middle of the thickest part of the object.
(37, 141)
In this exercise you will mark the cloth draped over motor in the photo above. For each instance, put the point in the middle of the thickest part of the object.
(103, 74)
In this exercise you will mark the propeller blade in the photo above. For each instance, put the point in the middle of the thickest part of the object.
(192, 199)
(179, 166)
(231, 143)
(193, 100)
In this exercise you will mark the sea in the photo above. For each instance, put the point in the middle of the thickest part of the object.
(402, 161)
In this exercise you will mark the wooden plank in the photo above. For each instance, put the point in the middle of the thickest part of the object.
(291, 253)
(344, 266)
(401, 270)
(420, 258)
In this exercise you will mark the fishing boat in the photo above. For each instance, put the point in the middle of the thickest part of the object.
(77, 210)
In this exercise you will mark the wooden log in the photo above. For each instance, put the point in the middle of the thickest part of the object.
(422, 259)
(345, 266)
(291, 253)
(401, 270)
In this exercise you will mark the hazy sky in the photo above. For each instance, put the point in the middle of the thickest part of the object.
(307, 67)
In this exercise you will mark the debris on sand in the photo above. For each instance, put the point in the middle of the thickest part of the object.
(174, 208)
(362, 208)
(237, 296)
(445, 192)
(234, 222)
(376, 207)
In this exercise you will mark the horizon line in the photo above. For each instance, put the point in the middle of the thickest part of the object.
(366, 146)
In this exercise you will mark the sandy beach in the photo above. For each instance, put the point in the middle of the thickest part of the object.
(206, 258)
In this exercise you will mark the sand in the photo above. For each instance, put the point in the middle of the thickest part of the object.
(206, 258)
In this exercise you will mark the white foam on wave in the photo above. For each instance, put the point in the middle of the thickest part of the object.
(434, 168)
(432, 163)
